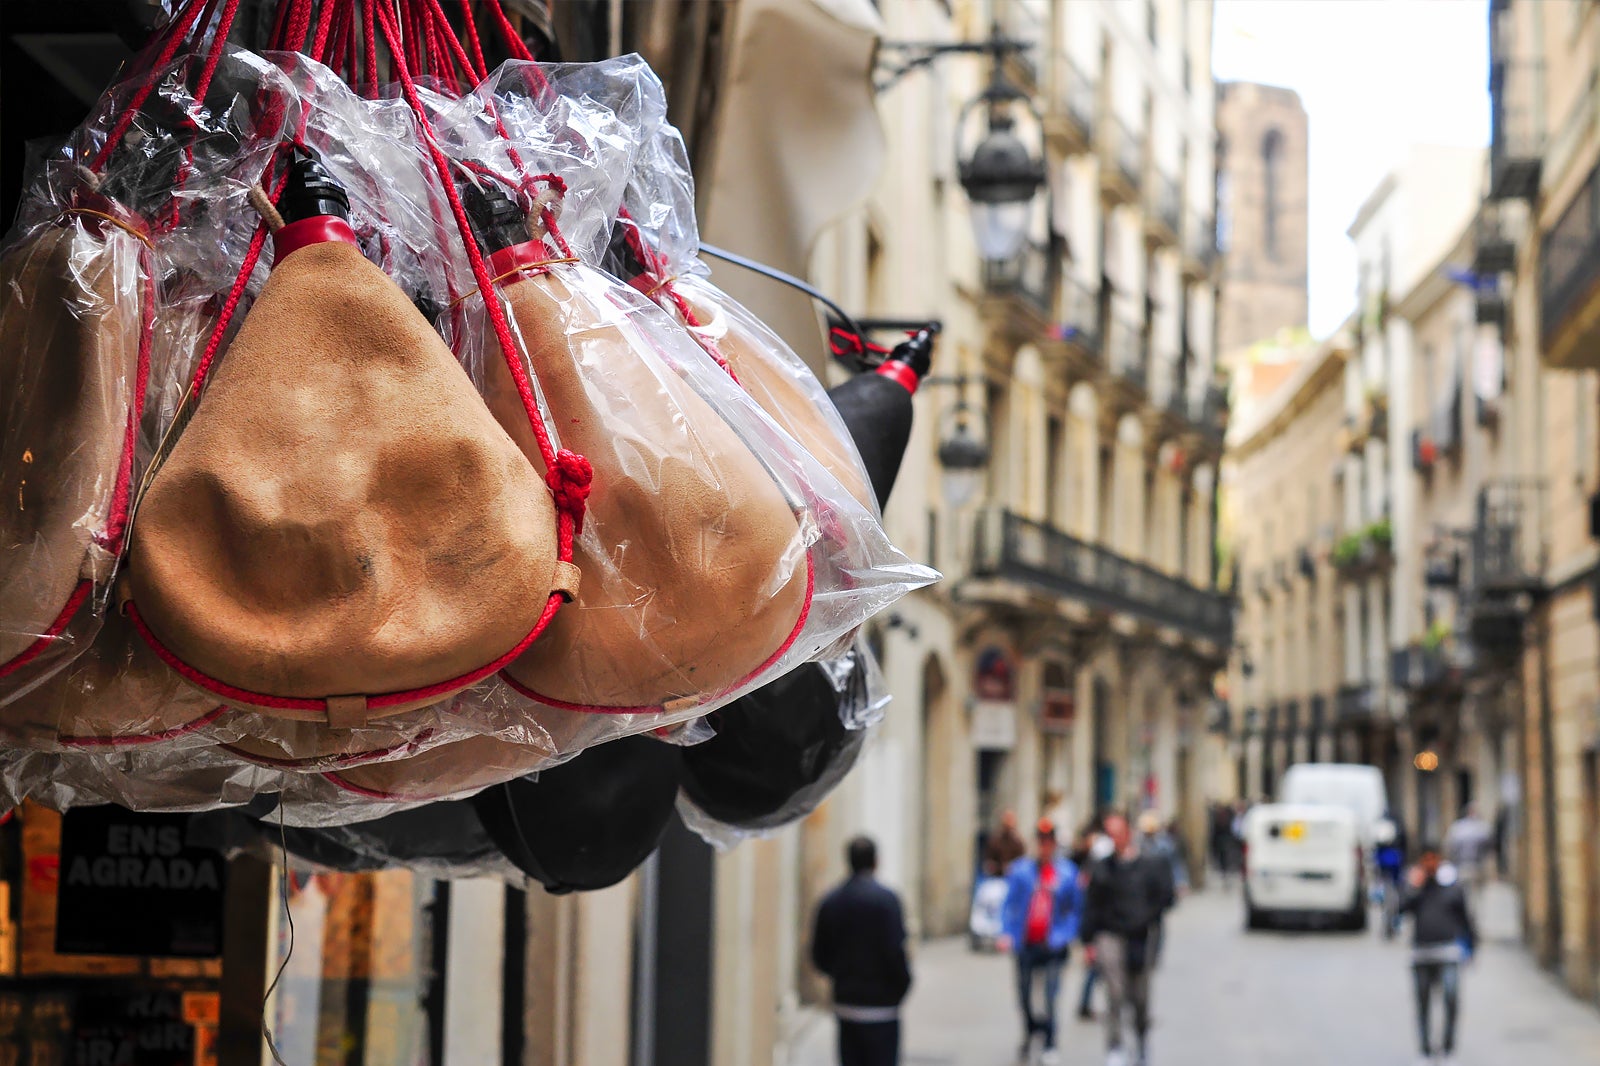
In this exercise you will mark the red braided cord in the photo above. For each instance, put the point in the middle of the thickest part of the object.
(280, 27)
(473, 39)
(111, 539)
(179, 30)
(513, 40)
(319, 46)
(372, 48)
(453, 44)
(224, 27)
(299, 25)
(568, 474)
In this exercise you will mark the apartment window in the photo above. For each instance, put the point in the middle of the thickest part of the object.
(1055, 433)
(1107, 491)
(1271, 176)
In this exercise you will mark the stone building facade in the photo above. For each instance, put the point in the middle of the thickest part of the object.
(1262, 188)
(1285, 514)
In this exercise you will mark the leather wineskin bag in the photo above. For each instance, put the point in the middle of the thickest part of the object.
(589, 822)
(775, 386)
(72, 316)
(693, 571)
(343, 531)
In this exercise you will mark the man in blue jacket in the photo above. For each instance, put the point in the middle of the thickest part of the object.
(860, 943)
(1041, 922)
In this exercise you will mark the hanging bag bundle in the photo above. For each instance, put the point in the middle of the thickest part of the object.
(341, 531)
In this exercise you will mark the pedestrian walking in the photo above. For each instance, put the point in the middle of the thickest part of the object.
(1219, 841)
(1159, 840)
(859, 942)
(1091, 844)
(1127, 893)
(1041, 921)
(1442, 938)
(1467, 845)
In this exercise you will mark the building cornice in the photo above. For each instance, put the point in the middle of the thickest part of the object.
(1322, 371)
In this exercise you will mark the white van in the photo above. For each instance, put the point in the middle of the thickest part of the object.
(1358, 788)
(1304, 861)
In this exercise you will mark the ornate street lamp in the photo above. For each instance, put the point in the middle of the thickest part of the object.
(1001, 177)
(963, 459)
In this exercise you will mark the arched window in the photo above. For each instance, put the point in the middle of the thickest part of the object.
(1271, 173)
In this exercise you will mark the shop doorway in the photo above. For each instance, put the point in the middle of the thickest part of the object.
(1105, 769)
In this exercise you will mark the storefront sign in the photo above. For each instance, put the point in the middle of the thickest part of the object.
(995, 678)
(1058, 709)
(127, 884)
(994, 725)
(115, 1023)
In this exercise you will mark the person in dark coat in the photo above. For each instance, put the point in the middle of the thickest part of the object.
(1442, 938)
(859, 942)
(1127, 893)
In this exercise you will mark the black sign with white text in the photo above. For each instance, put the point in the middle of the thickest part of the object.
(130, 886)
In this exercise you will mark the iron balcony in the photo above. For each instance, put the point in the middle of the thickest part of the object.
(1049, 560)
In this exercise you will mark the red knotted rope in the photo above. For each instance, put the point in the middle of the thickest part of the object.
(569, 479)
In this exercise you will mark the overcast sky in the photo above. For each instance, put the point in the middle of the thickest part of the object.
(1374, 76)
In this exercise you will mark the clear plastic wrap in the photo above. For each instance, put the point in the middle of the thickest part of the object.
(440, 840)
(100, 306)
(716, 552)
(655, 247)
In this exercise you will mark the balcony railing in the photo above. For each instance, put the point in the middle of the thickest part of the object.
(1494, 243)
(1028, 277)
(1079, 316)
(1508, 550)
(1208, 410)
(1516, 126)
(1355, 702)
(1569, 261)
(1169, 203)
(1166, 390)
(1126, 352)
(1012, 547)
(1419, 668)
(1121, 147)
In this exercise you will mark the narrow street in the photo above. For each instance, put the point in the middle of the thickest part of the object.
(1227, 998)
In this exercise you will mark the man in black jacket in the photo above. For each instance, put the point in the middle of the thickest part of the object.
(1127, 893)
(860, 943)
(1442, 937)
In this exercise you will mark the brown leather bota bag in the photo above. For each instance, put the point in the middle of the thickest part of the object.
(75, 320)
(116, 694)
(693, 572)
(447, 770)
(343, 531)
(775, 387)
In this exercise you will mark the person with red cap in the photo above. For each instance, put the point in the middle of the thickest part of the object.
(1041, 922)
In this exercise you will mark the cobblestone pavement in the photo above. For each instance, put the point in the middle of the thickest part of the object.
(1224, 997)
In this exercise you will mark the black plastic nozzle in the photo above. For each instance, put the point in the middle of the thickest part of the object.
(916, 351)
(498, 219)
(311, 190)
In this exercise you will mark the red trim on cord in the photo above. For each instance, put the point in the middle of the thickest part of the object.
(234, 694)
(783, 649)
(128, 740)
(318, 229)
(56, 628)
